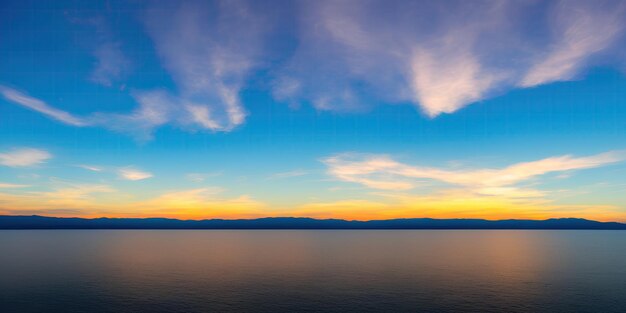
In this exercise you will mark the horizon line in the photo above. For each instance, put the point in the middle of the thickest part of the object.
(47, 222)
(312, 218)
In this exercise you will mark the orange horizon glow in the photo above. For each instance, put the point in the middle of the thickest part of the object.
(348, 217)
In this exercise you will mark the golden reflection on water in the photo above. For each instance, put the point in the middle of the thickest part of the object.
(323, 270)
(231, 256)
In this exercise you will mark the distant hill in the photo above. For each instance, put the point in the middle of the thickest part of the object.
(43, 222)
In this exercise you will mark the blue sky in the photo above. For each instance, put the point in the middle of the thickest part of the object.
(343, 109)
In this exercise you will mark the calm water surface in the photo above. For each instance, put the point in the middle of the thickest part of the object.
(312, 271)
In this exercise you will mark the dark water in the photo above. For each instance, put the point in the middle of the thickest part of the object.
(310, 271)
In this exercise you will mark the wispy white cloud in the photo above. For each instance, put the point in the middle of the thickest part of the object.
(383, 172)
(580, 29)
(60, 198)
(347, 56)
(131, 173)
(77, 199)
(24, 157)
(402, 53)
(111, 63)
(445, 80)
(441, 56)
(210, 63)
(126, 173)
(220, 47)
(154, 110)
(92, 168)
(71, 193)
(40, 106)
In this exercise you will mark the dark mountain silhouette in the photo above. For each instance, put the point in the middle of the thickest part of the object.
(44, 222)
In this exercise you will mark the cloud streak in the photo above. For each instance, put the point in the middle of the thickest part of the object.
(110, 65)
(220, 47)
(582, 29)
(130, 173)
(92, 168)
(97, 200)
(383, 172)
(155, 109)
(73, 193)
(61, 198)
(346, 56)
(40, 106)
(442, 56)
(23, 157)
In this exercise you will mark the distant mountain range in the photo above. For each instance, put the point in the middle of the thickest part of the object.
(44, 222)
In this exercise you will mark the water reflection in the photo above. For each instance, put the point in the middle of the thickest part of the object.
(112, 271)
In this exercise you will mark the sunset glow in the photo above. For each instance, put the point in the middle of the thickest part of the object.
(246, 109)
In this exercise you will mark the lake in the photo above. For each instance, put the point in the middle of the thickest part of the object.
(312, 271)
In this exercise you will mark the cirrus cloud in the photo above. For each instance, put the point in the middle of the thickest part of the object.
(347, 56)
(40, 106)
(383, 172)
(220, 47)
(21, 157)
(442, 56)
(131, 173)
(92, 168)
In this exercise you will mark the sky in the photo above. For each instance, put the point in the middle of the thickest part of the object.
(328, 109)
